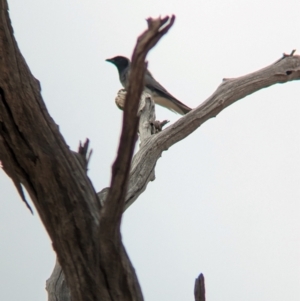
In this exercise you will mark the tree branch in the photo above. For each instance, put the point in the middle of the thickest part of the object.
(114, 263)
(199, 290)
(84, 154)
(143, 165)
(33, 149)
(230, 90)
(115, 266)
(120, 170)
(34, 154)
(55, 285)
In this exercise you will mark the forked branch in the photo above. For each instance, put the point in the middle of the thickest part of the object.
(33, 152)
(231, 90)
(120, 170)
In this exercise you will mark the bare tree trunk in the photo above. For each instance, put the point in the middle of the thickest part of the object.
(85, 235)
(56, 285)
(85, 228)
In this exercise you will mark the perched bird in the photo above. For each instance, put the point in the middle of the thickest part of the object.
(160, 95)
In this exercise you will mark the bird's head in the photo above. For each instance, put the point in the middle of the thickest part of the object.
(120, 62)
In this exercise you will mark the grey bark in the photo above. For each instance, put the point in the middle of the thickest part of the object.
(56, 285)
(85, 236)
(230, 90)
(85, 232)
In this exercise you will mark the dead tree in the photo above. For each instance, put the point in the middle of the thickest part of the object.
(84, 226)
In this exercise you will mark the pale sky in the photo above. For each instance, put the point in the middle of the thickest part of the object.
(226, 200)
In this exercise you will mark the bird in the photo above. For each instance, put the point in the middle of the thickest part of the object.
(159, 94)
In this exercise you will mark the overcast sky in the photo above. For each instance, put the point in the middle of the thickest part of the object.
(226, 200)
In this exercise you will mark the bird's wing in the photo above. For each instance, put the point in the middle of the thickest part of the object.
(151, 83)
(124, 76)
(163, 97)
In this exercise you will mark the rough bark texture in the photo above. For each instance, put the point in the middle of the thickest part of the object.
(86, 239)
(85, 232)
(142, 169)
(36, 155)
(120, 278)
(230, 90)
(56, 284)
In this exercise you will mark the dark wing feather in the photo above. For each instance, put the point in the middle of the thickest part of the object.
(162, 96)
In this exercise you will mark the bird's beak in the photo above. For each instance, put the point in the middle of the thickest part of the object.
(109, 60)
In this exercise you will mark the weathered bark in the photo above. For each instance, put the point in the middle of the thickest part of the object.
(143, 166)
(230, 90)
(120, 278)
(85, 232)
(56, 284)
(32, 147)
(85, 235)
